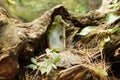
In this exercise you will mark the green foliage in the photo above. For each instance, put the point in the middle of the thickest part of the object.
(32, 66)
(101, 71)
(111, 17)
(55, 56)
(115, 29)
(87, 30)
(115, 5)
(107, 37)
(33, 60)
(47, 65)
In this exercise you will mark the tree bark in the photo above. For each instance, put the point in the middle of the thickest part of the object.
(20, 41)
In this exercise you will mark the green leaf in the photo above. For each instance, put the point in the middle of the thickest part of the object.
(44, 64)
(56, 58)
(54, 66)
(101, 71)
(32, 66)
(34, 60)
(43, 70)
(115, 5)
(47, 65)
(115, 29)
(49, 68)
(111, 18)
(86, 30)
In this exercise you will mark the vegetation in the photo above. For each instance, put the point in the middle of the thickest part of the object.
(47, 65)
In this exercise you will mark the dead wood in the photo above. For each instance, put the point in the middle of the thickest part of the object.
(20, 41)
(79, 72)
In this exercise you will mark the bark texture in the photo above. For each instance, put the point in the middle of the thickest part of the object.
(20, 41)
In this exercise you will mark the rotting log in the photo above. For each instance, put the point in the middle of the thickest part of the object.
(20, 41)
(79, 72)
